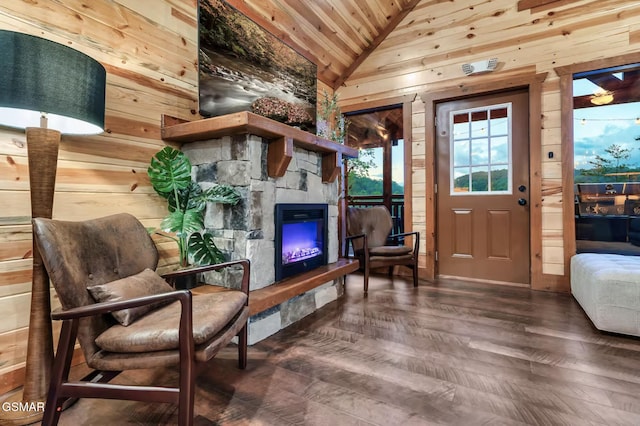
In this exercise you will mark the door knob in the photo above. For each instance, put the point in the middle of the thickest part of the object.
(522, 201)
(522, 188)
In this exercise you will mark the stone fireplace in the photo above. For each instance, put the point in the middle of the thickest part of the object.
(247, 230)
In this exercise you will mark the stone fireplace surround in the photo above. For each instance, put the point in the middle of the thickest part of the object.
(247, 230)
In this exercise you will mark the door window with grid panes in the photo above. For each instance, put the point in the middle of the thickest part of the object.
(481, 151)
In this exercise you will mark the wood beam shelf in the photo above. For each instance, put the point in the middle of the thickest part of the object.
(275, 294)
(281, 138)
(264, 298)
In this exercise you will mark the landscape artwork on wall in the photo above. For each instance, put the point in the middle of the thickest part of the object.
(242, 67)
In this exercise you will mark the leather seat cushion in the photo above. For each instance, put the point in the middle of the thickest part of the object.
(390, 250)
(158, 330)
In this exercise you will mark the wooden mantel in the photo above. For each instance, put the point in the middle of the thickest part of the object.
(281, 137)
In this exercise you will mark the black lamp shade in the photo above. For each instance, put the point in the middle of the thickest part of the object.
(40, 76)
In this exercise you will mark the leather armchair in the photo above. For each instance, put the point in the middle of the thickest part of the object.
(115, 256)
(368, 230)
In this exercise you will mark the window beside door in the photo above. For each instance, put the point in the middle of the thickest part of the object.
(606, 114)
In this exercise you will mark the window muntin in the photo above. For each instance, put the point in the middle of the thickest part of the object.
(481, 150)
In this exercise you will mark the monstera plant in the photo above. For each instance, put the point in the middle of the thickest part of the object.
(170, 174)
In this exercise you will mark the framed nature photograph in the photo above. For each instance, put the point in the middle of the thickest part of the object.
(242, 67)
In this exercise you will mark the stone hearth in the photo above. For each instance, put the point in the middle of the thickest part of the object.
(247, 230)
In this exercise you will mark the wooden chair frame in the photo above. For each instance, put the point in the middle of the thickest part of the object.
(95, 384)
(366, 265)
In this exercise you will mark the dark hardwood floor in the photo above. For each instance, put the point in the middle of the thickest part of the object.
(447, 353)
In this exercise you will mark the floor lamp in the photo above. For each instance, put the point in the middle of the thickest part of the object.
(48, 89)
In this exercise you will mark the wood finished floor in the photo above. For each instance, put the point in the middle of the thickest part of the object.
(447, 353)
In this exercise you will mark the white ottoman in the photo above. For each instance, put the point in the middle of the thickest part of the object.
(607, 286)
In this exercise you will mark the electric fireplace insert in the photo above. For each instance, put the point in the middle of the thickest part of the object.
(301, 238)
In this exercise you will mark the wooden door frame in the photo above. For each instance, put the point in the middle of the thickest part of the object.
(486, 85)
(566, 139)
(406, 101)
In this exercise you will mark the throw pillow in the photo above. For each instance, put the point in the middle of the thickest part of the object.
(145, 283)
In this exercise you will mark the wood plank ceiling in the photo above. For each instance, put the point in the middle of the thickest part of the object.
(337, 35)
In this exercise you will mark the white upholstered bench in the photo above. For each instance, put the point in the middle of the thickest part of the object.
(607, 286)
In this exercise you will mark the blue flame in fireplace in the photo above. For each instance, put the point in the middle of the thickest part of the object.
(300, 241)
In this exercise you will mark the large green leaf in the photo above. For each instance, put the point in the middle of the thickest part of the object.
(203, 250)
(169, 170)
(170, 175)
(223, 194)
(195, 200)
(183, 223)
(189, 198)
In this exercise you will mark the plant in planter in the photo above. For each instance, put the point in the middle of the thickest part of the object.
(170, 175)
(330, 123)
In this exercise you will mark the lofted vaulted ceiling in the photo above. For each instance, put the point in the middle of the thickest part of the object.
(337, 35)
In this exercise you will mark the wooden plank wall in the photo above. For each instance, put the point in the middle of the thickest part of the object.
(425, 53)
(150, 54)
(149, 49)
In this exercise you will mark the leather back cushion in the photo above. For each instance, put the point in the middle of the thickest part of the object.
(92, 252)
(375, 222)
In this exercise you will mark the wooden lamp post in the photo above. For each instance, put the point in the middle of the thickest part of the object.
(48, 89)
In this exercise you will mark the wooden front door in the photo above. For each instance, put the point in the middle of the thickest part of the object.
(482, 199)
